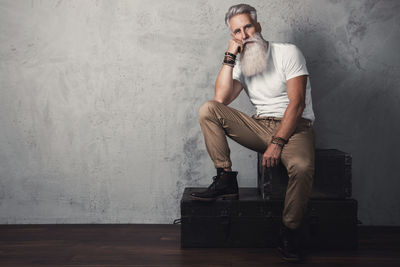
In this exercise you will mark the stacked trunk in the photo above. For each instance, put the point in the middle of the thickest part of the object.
(332, 179)
(253, 220)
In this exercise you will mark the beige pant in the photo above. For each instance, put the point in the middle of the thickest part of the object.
(218, 121)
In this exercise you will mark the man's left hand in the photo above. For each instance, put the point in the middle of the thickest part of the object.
(271, 156)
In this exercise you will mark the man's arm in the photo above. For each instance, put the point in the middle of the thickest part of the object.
(226, 88)
(296, 91)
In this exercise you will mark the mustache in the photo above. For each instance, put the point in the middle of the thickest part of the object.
(253, 39)
(245, 42)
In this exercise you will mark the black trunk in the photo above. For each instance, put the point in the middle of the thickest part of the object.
(332, 177)
(253, 221)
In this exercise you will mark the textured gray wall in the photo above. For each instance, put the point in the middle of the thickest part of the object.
(99, 102)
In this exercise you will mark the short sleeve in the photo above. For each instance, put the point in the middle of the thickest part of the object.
(294, 63)
(237, 72)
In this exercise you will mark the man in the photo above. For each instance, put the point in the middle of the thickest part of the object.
(275, 77)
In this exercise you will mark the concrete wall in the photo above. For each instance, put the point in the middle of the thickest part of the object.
(99, 102)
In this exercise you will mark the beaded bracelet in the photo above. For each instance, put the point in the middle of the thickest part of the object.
(230, 54)
(229, 59)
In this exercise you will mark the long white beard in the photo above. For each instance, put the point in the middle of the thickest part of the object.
(253, 59)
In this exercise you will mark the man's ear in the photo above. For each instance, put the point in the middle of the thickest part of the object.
(258, 27)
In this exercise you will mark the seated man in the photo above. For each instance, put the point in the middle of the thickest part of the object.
(275, 77)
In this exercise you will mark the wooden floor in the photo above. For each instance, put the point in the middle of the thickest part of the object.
(159, 245)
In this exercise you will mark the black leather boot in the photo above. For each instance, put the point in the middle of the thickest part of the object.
(224, 186)
(289, 246)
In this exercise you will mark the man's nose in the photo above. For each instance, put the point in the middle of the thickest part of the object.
(244, 35)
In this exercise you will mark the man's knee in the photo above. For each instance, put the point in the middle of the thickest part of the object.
(207, 109)
(302, 168)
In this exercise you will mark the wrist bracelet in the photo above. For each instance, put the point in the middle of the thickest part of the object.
(229, 57)
(229, 61)
(230, 54)
(278, 144)
(276, 138)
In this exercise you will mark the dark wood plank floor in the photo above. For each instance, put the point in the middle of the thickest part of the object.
(159, 245)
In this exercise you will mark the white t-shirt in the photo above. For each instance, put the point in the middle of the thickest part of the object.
(267, 90)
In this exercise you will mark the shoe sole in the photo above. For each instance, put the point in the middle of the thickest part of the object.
(223, 197)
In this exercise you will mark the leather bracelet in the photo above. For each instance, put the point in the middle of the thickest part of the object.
(229, 57)
(230, 54)
(276, 138)
(229, 61)
(278, 144)
(232, 62)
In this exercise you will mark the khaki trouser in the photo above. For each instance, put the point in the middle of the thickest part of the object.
(218, 121)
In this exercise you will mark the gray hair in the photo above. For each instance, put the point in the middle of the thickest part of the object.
(240, 9)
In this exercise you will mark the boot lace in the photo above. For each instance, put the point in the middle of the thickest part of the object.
(213, 184)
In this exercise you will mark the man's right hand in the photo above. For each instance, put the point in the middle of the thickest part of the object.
(235, 46)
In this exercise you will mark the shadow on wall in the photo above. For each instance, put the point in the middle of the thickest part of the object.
(355, 78)
(355, 96)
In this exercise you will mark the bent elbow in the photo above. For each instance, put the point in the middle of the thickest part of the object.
(222, 100)
(219, 100)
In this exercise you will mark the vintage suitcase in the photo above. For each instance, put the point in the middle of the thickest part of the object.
(254, 222)
(332, 177)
